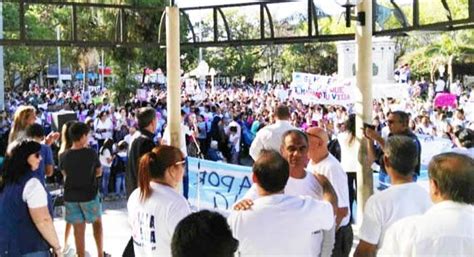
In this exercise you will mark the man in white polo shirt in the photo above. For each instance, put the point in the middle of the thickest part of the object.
(447, 228)
(279, 224)
(324, 163)
(404, 198)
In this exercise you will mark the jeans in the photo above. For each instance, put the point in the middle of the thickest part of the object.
(37, 254)
(105, 180)
(120, 184)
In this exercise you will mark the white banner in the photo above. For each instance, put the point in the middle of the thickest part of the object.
(319, 89)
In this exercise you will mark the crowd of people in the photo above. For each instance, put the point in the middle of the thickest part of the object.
(108, 151)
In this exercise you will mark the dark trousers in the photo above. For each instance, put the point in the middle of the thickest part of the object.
(352, 184)
(343, 244)
(129, 252)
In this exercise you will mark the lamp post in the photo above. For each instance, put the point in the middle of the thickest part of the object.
(58, 37)
(363, 105)
(202, 71)
(212, 72)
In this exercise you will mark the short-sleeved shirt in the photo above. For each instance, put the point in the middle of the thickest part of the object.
(332, 169)
(154, 220)
(386, 207)
(80, 167)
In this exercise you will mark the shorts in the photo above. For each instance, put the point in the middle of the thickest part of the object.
(80, 212)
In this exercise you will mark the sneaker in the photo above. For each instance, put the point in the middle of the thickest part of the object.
(68, 251)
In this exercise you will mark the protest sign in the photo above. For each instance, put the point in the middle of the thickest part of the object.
(445, 100)
(393, 90)
(431, 146)
(221, 184)
(142, 94)
(320, 89)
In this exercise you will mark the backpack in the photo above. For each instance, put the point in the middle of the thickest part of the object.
(119, 164)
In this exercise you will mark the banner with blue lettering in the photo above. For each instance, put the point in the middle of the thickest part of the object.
(221, 184)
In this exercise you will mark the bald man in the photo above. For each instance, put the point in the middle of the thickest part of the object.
(324, 163)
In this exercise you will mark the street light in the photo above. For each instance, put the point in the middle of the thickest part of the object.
(212, 72)
(202, 71)
(349, 4)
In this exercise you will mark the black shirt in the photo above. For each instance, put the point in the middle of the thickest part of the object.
(140, 146)
(80, 167)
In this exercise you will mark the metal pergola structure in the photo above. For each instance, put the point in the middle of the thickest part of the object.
(266, 23)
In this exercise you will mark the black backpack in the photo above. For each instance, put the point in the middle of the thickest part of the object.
(118, 166)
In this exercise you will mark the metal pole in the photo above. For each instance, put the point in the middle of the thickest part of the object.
(173, 72)
(58, 37)
(103, 69)
(2, 67)
(363, 102)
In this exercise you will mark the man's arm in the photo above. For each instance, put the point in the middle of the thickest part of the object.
(371, 136)
(256, 146)
(98, 171)
(365, 249)
(48, 170)
(329, 194)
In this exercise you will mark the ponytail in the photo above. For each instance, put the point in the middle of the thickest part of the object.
(151, 167)
(146, 162)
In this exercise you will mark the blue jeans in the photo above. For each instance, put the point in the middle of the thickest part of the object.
(120, 184)
(105, 180)
(37, 254)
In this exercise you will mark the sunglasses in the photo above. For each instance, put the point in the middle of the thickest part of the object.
(37, 155)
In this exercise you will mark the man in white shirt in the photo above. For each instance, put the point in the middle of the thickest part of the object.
(324, 163)
(404, 198)
(446, 229)
(279, 224)
(294, 149)
(270, 137)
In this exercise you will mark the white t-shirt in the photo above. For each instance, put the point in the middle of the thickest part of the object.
(282, 225)
(446, 229)
(184, 132)
(386, 207)
(332, 169)
(107, 125)
(103, 158)
(349, 151)
(153, 221)
(34, 194)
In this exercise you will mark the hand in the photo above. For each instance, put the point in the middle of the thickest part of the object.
(243, 205)
(51, 138)
(370, 133)
(58, 252)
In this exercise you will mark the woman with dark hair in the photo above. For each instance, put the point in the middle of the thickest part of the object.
(66, 144)
(349, 153)
(106, 158)
(155, 208)
(26, 224)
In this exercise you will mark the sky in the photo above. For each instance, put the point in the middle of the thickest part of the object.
(279, 11)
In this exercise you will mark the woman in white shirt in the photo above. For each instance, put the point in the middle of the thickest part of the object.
(155, 208)
(103, 128)
(349, 153)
